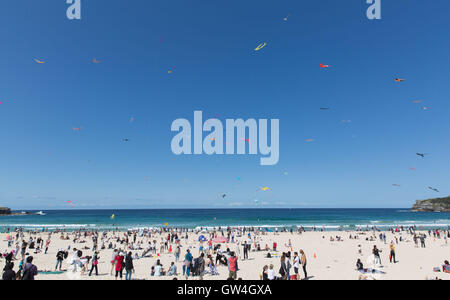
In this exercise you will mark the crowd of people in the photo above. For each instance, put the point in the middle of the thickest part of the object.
(212, 252)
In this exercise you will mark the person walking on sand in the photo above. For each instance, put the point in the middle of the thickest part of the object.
(95, 259)
(303, 262)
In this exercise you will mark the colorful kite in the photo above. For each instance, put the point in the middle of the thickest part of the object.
(95, 61)
(324, 66)
(399, 79)
(260, 46)
(309, 140)
(39, 61)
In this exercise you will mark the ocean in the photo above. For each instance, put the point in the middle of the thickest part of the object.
(330, 219)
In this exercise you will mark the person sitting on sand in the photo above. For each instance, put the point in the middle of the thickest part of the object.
(359, 265)
(446, 267)
(172, 270)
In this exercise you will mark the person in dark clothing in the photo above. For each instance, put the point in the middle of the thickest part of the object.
(59, 258)
(8, 272)
(129, 268)
(95, 259)
(359, 265)
(246, 248)
(30, 270)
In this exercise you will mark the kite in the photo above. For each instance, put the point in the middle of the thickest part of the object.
(421, 154)
(287, 17)
(426, 108)
(76, 128)
(265, 188)
(260, 46)
(239, 178)
(70, 202)
(309, 140)
(417, 101)
(39, 61)
(223, 195)
(346, 121)
(171, 70)
(433, 189)
(1, 102)
(399, 79)
(285, 173)
(95, 61)
(131, 120)
(412, 169)
(166, 224)
(126, 140)
(324, 66)
(146, 178)
(112, 217)
(247, 140)
(324, 108)
(396, 184)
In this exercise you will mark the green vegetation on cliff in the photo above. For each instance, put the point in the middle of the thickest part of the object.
(437, 204)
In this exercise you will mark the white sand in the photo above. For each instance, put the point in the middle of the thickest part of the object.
(334, 260)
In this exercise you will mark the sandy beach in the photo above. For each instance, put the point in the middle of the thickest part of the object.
(326, 259)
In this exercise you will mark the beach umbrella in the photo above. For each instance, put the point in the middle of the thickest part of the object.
(220, 240)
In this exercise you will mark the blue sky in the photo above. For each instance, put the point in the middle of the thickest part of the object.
(44, 163)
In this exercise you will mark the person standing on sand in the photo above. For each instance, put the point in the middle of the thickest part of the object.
(59, 259)
(303, 262)
(129, 268)
(113, 261)
(232, 266)
(30, 270)
(201, 265)
(392, 254)
(8, 272)
(188, 262)
(376, 255)
(296, 265)
(119, 264)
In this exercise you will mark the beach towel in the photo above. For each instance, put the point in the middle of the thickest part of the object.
(51, 272)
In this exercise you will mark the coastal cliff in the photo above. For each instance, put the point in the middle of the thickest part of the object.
(5, 211)
(432, 205)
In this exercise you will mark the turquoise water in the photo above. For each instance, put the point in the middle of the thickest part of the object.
(192, 218)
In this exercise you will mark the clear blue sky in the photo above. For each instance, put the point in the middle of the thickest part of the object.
(44, 163)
